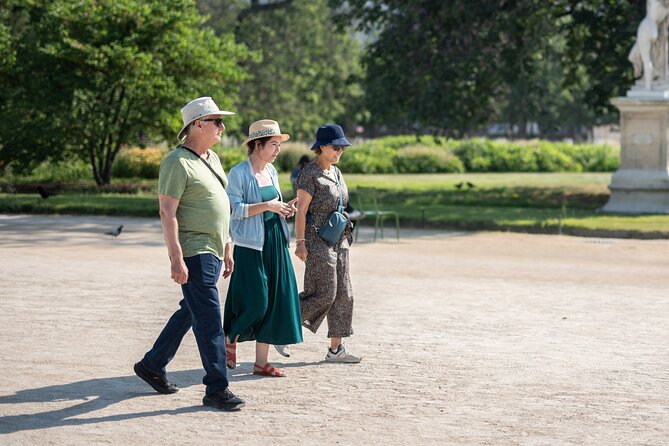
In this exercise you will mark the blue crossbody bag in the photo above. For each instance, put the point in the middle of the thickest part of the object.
(336, 222)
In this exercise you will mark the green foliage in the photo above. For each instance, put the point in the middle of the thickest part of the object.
(138, 162)
(437, 65)
(368, 158)
(109, 74)
(481, 155)
(49, 172)
(290, 154)
(425, 159)
(600, 35)
(305, 74)
(230, 156)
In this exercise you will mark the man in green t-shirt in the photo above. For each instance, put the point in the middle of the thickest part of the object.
(195, 215)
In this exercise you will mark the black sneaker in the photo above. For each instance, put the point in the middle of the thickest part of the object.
(223, 400)
(159, 382)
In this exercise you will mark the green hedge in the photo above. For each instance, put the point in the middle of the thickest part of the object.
(393, 154)
(481, 155)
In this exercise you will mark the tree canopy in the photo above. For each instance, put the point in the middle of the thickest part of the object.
(89, 77)
(453, 66)
(85, 78)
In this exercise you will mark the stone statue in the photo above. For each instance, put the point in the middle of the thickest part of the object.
(649, 53)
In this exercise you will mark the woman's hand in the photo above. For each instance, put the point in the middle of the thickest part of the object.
(301, 251)
(279, 207)
(293, 208)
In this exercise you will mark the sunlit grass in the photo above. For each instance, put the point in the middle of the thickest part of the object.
(548, 202)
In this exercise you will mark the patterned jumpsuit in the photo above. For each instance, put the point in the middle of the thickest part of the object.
(327, 284)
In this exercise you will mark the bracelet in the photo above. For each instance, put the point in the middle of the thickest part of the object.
(300, 240)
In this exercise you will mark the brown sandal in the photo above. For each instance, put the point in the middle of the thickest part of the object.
(231, 355)
(268, 370)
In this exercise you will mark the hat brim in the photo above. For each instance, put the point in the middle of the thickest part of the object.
(284, 137)
(181, 135)
(334, 142)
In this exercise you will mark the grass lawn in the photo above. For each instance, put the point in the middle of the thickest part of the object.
(537, 202)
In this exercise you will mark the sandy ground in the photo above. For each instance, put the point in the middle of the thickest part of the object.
(467, 338)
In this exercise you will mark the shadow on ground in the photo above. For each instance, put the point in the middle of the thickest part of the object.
(89, 396)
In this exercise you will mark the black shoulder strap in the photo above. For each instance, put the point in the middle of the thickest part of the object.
(205, 163)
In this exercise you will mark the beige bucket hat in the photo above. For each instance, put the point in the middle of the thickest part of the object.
(196, 109)
(263, 128)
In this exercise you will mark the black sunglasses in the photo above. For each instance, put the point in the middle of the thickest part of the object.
(338, 148)
(217, 121)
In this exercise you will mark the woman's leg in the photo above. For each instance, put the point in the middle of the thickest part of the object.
(262, 352)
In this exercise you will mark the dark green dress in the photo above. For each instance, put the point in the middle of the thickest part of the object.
(262, 303)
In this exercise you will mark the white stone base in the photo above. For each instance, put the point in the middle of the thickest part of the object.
(639, 191)
(657, 91)
(641, 185)
(637, 202)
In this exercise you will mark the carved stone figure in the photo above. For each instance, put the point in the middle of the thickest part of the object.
(649, 53)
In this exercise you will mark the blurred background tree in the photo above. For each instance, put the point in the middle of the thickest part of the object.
(452, 67)
(306, 70)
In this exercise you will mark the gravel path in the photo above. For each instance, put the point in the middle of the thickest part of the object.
(467, 338)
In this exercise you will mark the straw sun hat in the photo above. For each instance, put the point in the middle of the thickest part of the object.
(264, 128)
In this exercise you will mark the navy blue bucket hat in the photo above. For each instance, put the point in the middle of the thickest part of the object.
(330, 134)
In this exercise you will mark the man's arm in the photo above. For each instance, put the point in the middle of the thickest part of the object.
(168, 219)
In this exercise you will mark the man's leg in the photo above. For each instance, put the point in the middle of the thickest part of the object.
(201, 295)
(168, 341)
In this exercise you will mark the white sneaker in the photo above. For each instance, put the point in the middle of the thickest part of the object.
(283, 350)
(341, 355)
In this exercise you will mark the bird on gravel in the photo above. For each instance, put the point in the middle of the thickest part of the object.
(116, 232)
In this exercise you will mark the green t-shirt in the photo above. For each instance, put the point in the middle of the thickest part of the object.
(203, 213)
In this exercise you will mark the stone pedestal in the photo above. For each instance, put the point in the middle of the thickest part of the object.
(641, 184)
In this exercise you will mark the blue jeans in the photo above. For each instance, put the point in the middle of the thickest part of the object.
(200, 308)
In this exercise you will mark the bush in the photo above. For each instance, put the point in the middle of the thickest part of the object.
(62, 171)
(392, 154)
(595, 158)
(370, 157)
(290, 155)
(230, 156)
(482, 155)
(425, 159)
(137, 162)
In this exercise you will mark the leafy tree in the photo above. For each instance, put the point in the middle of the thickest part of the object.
(92, 76)
(305, 69)
(546, 88)
(305, 76)
(600, 34)
(437, 65)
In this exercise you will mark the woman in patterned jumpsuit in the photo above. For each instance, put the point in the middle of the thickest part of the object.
(327, 284)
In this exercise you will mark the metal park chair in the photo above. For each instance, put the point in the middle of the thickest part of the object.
(369, 206)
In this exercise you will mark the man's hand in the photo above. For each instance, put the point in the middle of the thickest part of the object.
(178, 270)
(228, 261)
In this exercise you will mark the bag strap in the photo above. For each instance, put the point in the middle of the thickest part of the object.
(206, 163)
(341, 201)
(340, 209)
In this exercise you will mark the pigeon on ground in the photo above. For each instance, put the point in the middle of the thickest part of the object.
(115, 233)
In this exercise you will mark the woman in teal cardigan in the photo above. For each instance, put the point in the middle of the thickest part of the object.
(262, 303)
